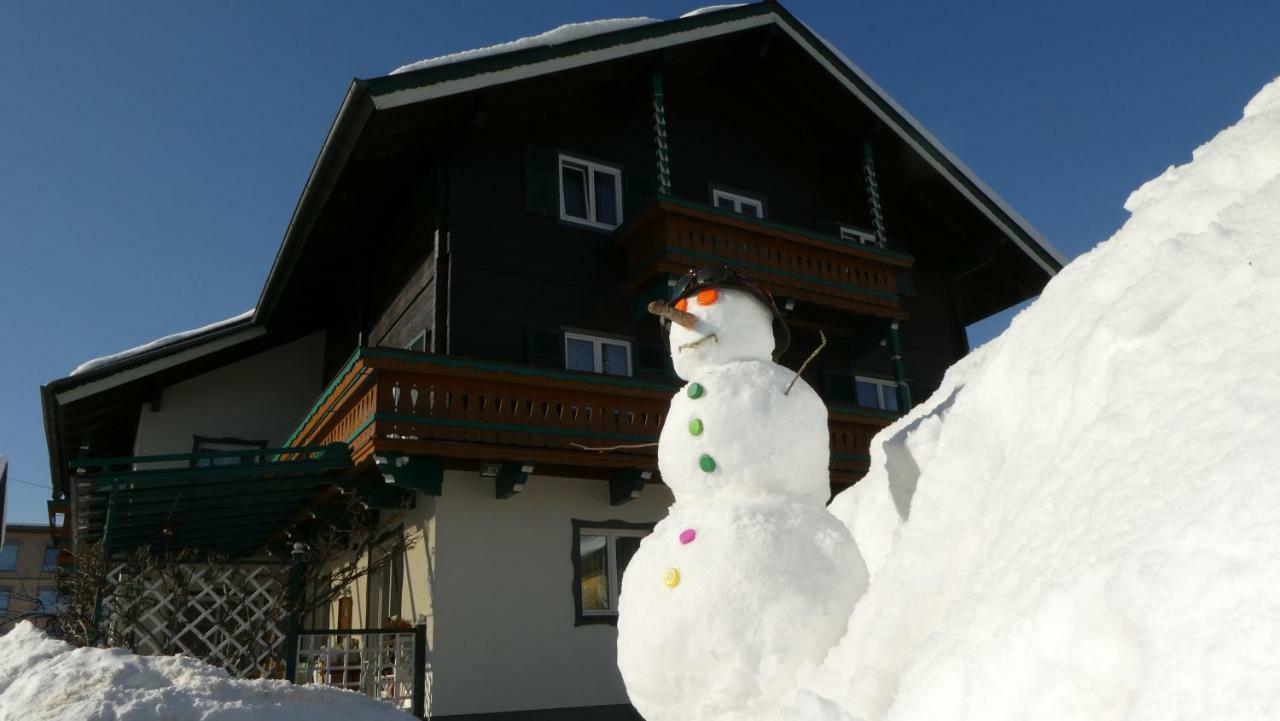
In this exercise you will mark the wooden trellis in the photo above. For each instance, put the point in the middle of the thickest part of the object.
(228, 615)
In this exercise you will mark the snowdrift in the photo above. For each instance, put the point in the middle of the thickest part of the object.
(43, 679)
(1084, 521)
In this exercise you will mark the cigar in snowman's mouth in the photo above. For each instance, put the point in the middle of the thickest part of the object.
(681, 318)
(698, 342)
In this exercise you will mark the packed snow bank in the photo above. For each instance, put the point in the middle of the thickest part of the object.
(1092, 500)
(160, 342)
(555, 36)
(46, 679)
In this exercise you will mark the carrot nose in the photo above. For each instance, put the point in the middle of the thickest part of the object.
(679, 317)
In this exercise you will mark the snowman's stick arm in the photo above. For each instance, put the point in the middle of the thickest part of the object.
(807, 361)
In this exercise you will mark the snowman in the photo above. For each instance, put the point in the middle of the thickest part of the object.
(749, 580)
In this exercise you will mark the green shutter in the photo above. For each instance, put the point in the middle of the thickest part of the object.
(540, 189)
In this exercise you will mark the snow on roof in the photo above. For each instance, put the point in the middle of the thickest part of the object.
(556, 36)
(160, 343)
(710, 9)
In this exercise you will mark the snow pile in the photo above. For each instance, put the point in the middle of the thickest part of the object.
(710, 9)
(48, 680)
(159, 343)
(555, 36)
(1093, 499)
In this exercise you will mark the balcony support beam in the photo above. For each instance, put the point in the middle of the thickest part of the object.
(511, 479)
(627, 484)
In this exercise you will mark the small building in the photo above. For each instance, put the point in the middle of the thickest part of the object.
(28, 575)
(455, 324)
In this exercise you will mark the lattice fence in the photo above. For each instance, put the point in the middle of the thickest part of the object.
(229, 615)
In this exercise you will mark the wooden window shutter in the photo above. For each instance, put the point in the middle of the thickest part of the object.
(540, 189)
(544, 347)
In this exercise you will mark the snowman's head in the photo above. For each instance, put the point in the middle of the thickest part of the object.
(726, 318)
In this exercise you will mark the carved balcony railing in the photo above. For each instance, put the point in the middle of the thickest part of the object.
(469, 412)
(674, 235)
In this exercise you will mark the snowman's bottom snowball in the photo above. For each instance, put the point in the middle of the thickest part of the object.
(764, 591)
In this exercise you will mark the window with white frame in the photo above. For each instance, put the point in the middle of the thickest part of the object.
(9, 556)
(876, 393)
(857, 235)
(601, 554)
(741, 204)
(597, 354)
(590, 193)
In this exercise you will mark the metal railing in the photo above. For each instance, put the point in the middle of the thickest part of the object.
(388, 664)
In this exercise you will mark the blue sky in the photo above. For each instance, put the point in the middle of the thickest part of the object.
(151, 153)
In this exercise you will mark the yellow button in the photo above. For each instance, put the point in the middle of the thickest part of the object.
(671, 578)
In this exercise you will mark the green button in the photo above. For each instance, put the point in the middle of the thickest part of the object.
(696, 390)
(707, 463)
(695, 426)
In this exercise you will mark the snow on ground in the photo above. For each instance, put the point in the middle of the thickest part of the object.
(1093, 498)
(43, 679)
(159, 343)
(555, 36)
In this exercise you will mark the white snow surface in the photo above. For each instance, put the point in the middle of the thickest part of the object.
(555, 36)
(709, 9)
(44, 679)
(1092, 500)
(159, 343)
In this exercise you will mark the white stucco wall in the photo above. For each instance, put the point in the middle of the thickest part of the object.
(502, 617)
(258, 398)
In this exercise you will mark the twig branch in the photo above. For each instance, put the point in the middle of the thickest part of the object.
(612, 448)
(807, 361)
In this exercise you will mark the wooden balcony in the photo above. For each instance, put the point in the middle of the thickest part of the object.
(675, 235)
(467, 412)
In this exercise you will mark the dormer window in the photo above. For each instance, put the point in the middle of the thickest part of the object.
(590, 193)
(737, 203)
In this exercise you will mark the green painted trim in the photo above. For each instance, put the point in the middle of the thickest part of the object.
(324, 396)
(80, 463)
(773, 225)
(507, 427)
(851, 457)
(868, 412)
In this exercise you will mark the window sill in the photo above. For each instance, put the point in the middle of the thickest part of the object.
(589, 225)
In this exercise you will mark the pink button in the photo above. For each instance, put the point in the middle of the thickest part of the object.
(687, 536)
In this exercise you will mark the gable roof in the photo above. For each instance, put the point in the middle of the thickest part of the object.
(550, 53)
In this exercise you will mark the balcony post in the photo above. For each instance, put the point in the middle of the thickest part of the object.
(297, 568)
(660, 134)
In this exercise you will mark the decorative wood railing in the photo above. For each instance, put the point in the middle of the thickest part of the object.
(674, 236)
(469, 412)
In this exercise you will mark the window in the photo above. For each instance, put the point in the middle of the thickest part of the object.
(50, 559)
(219, 445)
(9, 556)
(47, 600)
(858, 236)
(876, 393)
(590, 193)
(601, 552)
(4, 601)
(741, 204)
(597, 355)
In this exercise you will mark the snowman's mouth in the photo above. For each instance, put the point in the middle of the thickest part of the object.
(697, 343)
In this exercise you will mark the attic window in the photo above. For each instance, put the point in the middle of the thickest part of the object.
(590, 193)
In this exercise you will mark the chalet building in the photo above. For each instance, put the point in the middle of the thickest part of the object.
(457, 309)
